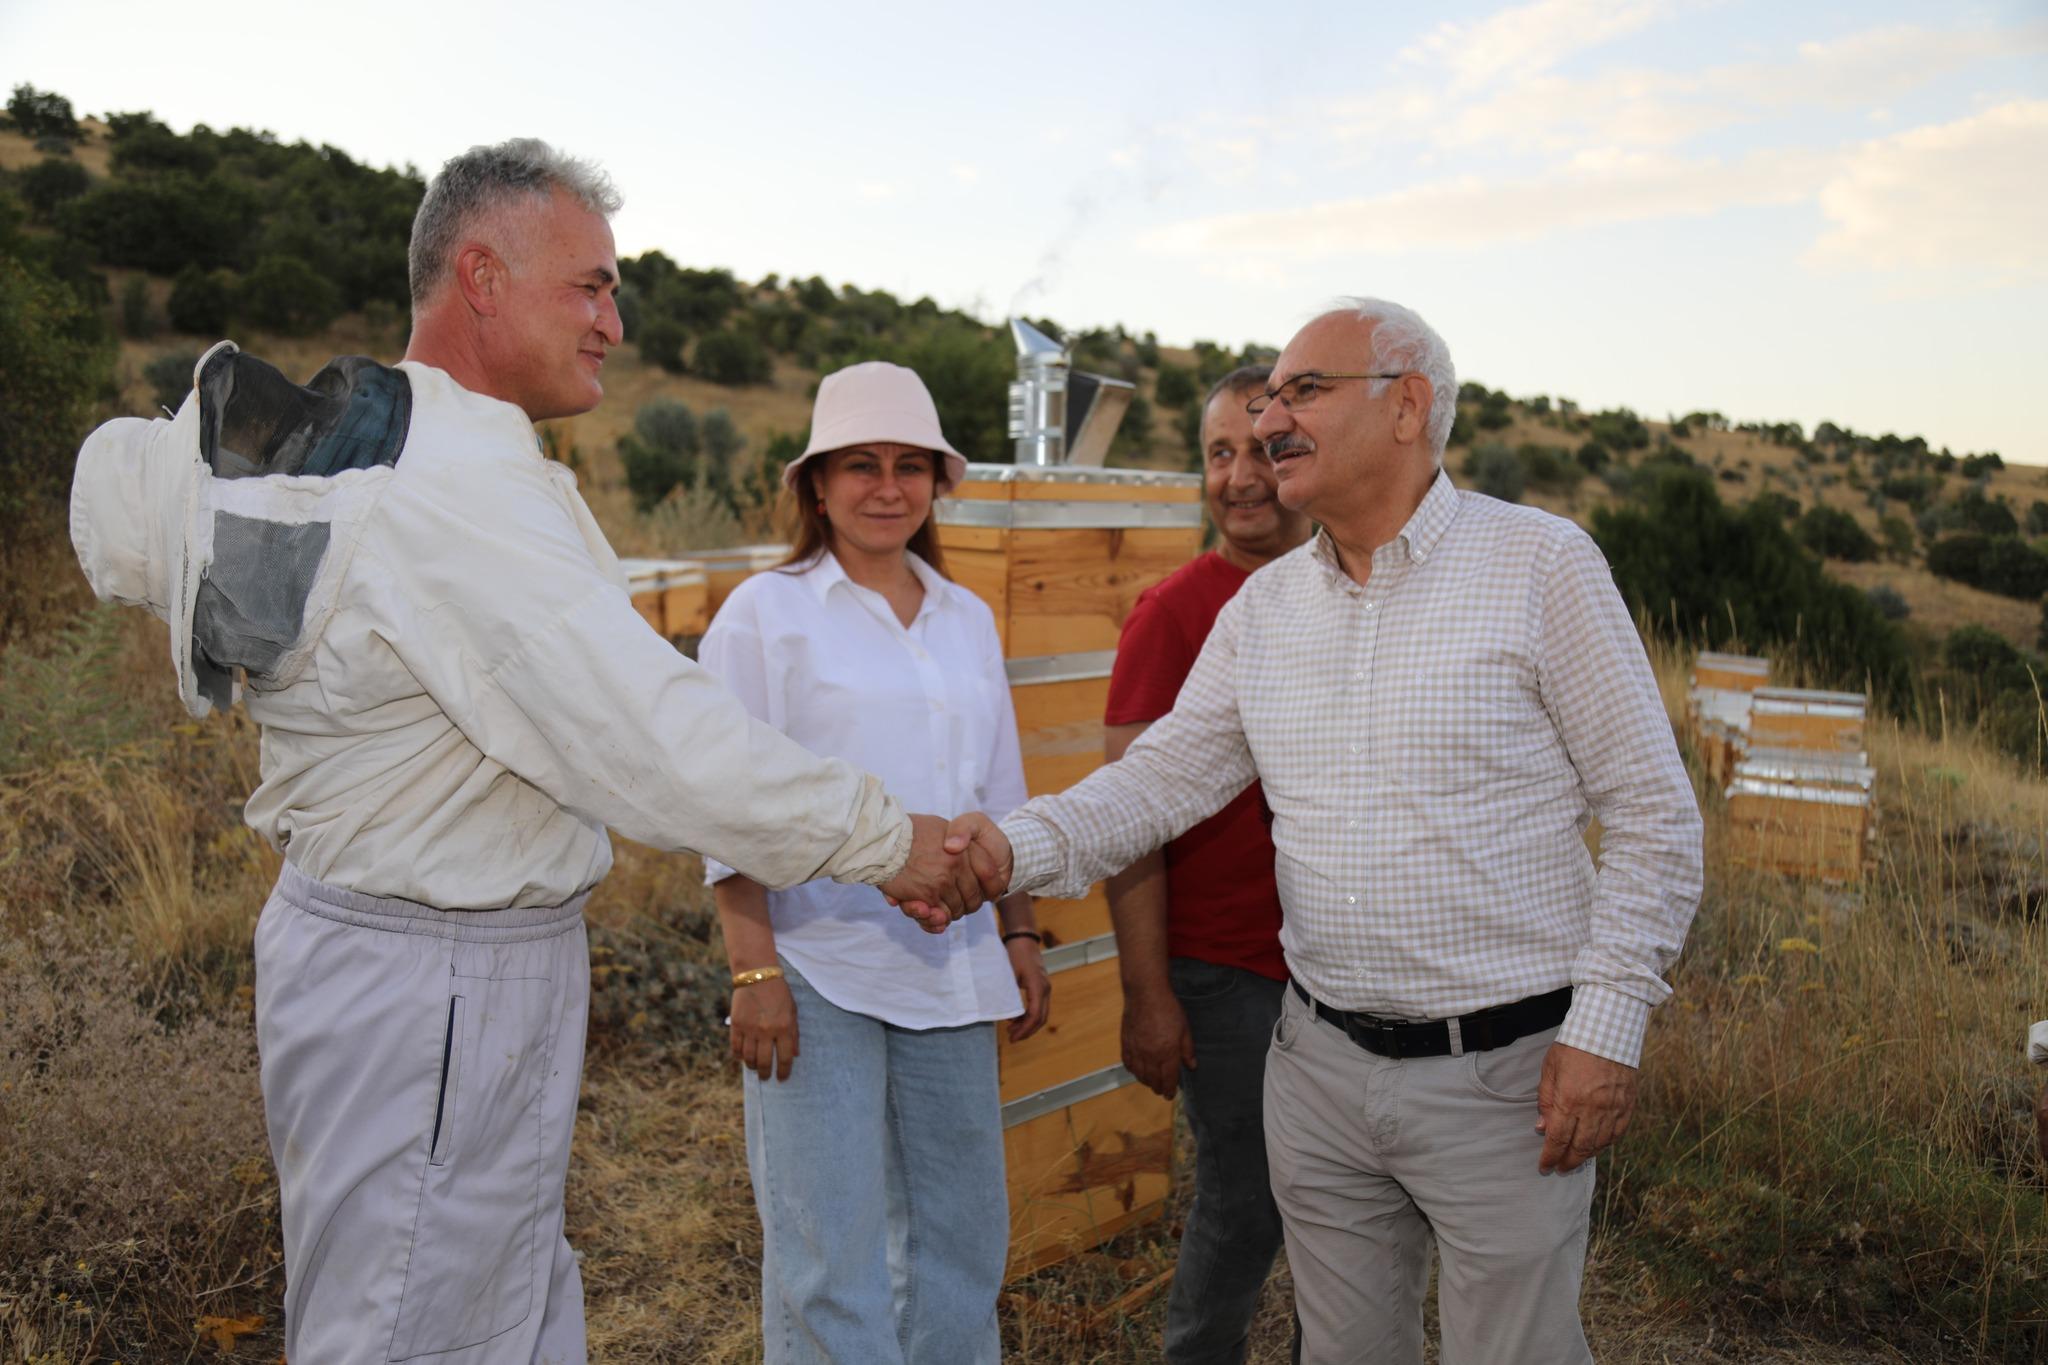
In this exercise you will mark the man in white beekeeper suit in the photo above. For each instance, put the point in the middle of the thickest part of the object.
(457, 700)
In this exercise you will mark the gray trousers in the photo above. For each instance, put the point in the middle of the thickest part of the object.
(1374, 1159)
(420, 1071)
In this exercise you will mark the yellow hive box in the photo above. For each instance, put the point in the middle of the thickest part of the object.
(671, 595)
(1802, 813)
(1733, 672)
(1060, 555)
(1797, 718)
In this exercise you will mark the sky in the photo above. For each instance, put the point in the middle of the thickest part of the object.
(1772, 209)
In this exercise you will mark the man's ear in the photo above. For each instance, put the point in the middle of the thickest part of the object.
(480, 275)
(1411, 413)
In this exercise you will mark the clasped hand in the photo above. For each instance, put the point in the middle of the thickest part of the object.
(954, 869)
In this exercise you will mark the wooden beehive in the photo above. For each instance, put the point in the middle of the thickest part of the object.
(1717, 708)
(725, 570)
(1796, 718)
(1732, 672)
(671, 595)
(1802, 812)
(1060, 555)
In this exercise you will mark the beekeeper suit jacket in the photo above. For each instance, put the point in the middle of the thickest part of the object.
(455, 693)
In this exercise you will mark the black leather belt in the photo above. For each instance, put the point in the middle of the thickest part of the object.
(1479, 1031)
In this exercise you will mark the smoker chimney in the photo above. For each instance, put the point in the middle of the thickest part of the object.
(1059, 415)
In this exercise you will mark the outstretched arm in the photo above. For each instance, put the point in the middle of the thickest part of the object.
(1186, 767)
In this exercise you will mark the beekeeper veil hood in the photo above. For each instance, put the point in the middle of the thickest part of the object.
(235, 520)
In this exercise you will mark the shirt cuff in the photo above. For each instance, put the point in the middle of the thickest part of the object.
(1607, 1023)
(1034, 853)
(898, 855)
(2037, 1044)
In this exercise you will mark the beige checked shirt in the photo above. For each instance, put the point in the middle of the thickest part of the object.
(1433, 745)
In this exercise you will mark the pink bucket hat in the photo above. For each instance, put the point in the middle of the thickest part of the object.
(875, 401)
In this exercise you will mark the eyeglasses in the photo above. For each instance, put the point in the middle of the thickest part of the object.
(1302, 390)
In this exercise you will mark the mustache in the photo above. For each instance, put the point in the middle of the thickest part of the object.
(1289, 443)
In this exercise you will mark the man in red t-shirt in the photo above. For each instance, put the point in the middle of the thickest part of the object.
(1198, 923)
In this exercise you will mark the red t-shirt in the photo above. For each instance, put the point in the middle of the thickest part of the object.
(1222, 905)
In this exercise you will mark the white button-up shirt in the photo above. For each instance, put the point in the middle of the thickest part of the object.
(1433, 744)
(483, 701)
(927, 709)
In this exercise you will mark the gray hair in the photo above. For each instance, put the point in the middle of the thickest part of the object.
(484, 179)
(1243, 379)
(1402, 341)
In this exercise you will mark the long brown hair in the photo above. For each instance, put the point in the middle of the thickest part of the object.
(810, 535)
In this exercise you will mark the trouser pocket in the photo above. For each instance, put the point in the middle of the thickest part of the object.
(472, 1270)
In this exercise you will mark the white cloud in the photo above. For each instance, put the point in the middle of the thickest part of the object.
(1966, 194)
(1594, 187)
(1530, 38)
(1638, 107)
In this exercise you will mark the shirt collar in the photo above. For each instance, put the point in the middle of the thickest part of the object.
(1432, 518)
(826, 573)
(1418, 537)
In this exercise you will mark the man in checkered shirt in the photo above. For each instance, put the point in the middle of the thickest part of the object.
(1440, 691)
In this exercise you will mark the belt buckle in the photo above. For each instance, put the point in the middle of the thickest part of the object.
(1384, 1040)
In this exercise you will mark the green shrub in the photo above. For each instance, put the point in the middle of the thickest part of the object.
(1835, 534)
(40, 114)
(1175, 387)
(169, 377)
(661, 342)
(660, 453)
(54, 364)
(202, 302)
(51, 183)
(732, 358)
(1897, 533)
(284, 294)
(164, 223)
(1619, 429)
(1695, 567)
(1550, 468)
(2000, 564)
(138, 313)
(1890, 603)
(1493, 412)
(1593, 456)
(1496, 471)
(722, 446)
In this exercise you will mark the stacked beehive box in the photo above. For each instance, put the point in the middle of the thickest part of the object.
(1718, 708)
(671, 595)
(1792, 765)
(1060, 554)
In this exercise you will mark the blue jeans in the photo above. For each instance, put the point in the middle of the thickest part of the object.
(1233, 1227)
(878, 1174)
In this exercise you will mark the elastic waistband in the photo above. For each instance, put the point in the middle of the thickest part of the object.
(410, 917)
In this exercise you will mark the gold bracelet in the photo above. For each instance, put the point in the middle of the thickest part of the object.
(755, 976)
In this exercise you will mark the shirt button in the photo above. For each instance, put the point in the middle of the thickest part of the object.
(1351, 824)
(1358, 676)
(1359, 972)
(1370, 605)
(1357, 749)
(1351, 900)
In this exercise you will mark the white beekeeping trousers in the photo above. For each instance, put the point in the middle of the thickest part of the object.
(420, 1071)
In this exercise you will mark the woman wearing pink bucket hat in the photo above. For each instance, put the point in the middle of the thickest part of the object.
(877, 1160)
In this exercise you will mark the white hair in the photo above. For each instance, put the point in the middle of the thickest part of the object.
(1402, 341)
(484, 179)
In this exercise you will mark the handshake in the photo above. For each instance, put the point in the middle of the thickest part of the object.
(953, 869)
